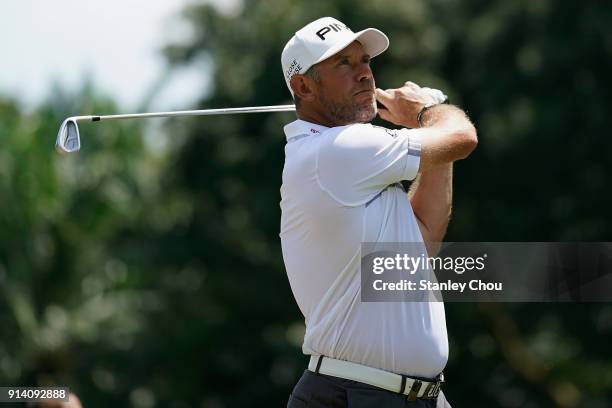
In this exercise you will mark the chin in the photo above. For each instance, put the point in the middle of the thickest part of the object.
(367, 114)
(351, 112)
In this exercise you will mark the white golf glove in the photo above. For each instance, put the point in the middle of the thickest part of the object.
(436, 94)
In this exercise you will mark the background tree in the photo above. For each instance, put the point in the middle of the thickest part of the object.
(146, 277)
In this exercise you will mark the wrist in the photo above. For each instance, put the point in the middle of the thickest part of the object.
(426, 108)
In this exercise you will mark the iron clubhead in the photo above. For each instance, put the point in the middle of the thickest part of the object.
(68, 138)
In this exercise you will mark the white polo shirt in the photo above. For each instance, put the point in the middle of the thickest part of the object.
(340, 188)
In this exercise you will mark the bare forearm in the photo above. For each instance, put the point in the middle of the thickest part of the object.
(445, 115)
(446, 135)
(431, 198)
(445, 131)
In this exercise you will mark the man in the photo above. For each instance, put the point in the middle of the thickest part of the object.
(341, 187)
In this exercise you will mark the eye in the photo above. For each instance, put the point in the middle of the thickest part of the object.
(343, 61)
(366, 59)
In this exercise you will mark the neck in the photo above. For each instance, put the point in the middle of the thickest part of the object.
(313, 116)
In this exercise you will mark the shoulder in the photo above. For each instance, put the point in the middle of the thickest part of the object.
(360, 135)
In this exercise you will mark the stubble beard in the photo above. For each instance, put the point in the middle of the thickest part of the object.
(349, 111)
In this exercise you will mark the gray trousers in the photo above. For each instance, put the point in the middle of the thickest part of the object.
(324, 391)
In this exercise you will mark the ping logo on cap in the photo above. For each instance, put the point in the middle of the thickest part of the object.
(327, 29)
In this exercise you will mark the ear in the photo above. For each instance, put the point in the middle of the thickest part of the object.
(303, 87)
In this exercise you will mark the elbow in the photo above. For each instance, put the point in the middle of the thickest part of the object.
(438, 232)
(436, 229)
(437, 235)
(468, 141)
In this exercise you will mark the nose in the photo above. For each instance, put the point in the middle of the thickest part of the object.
(365, 72)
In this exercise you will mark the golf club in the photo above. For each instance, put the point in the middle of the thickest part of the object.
(69, 139)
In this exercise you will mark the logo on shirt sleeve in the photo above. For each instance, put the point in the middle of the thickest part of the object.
(391, 132)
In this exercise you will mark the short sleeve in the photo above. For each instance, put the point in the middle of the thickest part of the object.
(356, 162)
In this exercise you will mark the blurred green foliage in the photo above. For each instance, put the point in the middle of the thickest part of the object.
(146, 276)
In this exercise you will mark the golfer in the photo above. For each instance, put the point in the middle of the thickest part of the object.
(341, 187)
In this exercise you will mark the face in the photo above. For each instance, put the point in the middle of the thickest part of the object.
(345, 89)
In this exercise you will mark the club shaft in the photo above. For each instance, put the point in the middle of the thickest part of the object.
(202, 112)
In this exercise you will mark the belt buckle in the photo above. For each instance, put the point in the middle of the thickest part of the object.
(433, 390)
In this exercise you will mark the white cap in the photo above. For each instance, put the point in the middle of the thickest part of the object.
(323, 38)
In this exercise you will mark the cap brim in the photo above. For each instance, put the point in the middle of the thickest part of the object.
(374, 42)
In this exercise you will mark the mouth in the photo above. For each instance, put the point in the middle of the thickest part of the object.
(369, 91)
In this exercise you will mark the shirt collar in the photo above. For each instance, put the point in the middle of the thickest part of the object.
(301, 127)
